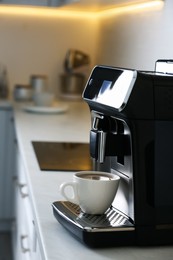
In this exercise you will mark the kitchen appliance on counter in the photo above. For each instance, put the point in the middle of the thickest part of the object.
(66, 156)
(72, 85)
(72, 82)
(131, 135)
(76, 60)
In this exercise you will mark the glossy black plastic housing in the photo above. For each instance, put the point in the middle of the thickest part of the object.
(142, 123)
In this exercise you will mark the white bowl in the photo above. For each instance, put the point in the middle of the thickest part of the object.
(44, 99)
(22, 92)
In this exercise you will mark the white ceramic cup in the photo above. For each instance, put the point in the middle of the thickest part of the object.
(93, 191)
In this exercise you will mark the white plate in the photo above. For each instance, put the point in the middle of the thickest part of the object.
(47, 110)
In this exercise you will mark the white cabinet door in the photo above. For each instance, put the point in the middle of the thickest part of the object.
(7, 167)
(24, 235)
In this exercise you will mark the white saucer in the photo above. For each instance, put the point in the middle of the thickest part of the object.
(57, 109)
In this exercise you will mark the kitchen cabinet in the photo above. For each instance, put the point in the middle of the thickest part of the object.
(100, 5)
(93, 5)
(7, 166)
(37, 2)
(24, 236)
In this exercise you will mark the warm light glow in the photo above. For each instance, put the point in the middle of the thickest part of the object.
(134, 7)
(43, 12)
(59, 13)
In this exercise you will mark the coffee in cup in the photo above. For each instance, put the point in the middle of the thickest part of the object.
(93, 191)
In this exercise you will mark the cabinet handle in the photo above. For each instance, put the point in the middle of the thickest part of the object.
(22, 242)
(21, 189)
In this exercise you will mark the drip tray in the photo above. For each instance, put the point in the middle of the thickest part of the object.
(107, 229)
(62, 156)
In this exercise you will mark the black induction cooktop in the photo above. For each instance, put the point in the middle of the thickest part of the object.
(58, 156)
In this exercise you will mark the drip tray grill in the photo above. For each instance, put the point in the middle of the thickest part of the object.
(111, 220)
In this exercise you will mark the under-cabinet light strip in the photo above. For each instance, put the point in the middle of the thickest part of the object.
(149, 5)
(56, 12)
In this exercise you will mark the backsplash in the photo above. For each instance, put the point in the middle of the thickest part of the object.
(38, 45)
(136, 39)
(32, 44)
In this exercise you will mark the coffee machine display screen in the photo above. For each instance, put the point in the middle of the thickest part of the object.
(106, 86)
(110, 86)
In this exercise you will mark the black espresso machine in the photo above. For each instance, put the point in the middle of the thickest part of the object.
(132, 136)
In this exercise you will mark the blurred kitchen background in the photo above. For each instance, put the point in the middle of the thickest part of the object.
(36, 41)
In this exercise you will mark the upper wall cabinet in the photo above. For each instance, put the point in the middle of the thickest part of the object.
(91, 5)
(98, 5)
(37, 2)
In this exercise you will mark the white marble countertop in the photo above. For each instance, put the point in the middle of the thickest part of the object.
(57, 243)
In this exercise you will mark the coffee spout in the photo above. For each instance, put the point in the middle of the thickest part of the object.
(104, 144)
(97, 145)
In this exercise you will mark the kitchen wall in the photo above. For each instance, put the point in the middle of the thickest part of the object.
(31, 44)
(137, 39)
